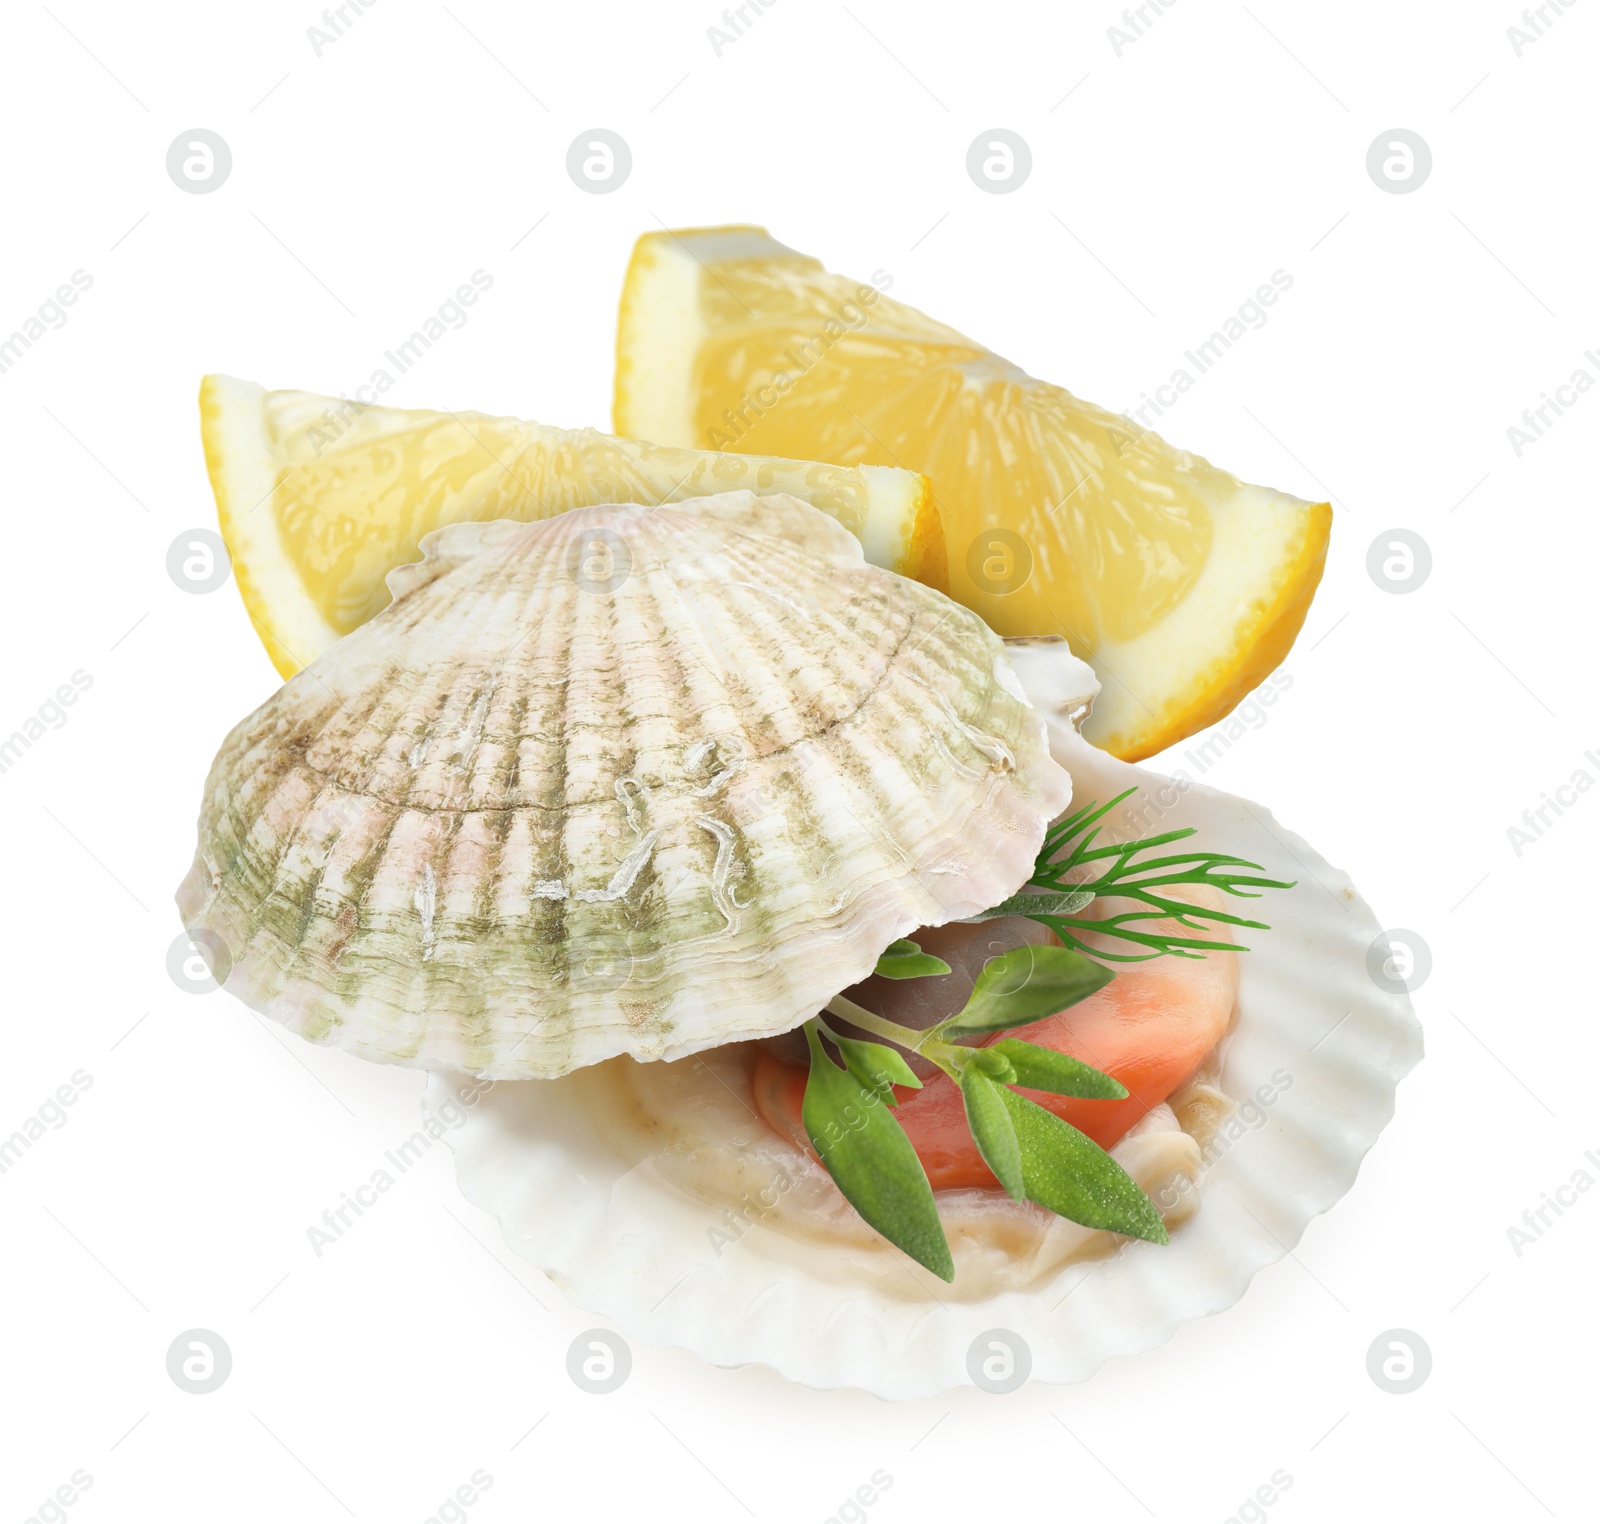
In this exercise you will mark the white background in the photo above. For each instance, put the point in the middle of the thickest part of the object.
(1168, 183)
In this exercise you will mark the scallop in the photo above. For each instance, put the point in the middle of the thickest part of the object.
(633, 780)
(655, 1197)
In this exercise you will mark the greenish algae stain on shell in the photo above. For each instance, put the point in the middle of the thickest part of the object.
(525, 820)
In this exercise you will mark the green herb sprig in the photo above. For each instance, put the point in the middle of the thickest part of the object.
(1065, 868)
(1034, 1154)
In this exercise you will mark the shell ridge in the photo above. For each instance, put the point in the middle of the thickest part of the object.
(525, 819)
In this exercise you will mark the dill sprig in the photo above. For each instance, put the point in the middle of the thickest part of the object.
(1067, 864)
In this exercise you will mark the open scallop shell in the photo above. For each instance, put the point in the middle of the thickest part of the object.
(1312, 1064)
(634, 780)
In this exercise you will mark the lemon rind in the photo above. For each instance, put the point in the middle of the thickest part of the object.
(243, 466)
(1232, 640)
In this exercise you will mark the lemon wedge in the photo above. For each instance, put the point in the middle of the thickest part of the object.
(321, 497)
(1182, 585)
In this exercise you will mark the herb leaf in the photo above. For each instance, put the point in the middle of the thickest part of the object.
(1039, 1068)
(1025, 985)
(875, 1064)
(905, 960)
(1075, 1178)
(1070, 862)
(1038, 904)
(872, 1160)
(991, 1128)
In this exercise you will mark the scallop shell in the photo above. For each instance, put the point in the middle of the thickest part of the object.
(1312, 1065)
(632, 780)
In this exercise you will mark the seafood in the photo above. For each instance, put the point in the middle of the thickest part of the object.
(613, 803)
(1151, 1028)
(699, 1225)
(634, 780)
